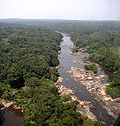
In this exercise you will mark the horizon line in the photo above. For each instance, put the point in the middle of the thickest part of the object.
(60, 19)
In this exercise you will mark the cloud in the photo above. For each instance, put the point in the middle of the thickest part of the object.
(61, 9)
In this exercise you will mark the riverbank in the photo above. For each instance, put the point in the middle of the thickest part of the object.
(95, 85)
(82, 106)
(10, 106)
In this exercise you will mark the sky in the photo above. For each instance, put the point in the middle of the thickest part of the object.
(61, 9)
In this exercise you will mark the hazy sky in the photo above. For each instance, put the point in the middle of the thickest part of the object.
(61, 9)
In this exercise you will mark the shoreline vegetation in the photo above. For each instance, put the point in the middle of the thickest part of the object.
(92, 67)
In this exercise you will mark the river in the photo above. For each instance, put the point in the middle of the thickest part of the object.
(66, 62)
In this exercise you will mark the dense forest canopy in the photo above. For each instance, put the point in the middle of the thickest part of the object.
(29, 55)
(28, 51)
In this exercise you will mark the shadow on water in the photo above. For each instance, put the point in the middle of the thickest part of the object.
(66, 61)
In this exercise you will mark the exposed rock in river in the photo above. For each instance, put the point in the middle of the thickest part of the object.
(94, 84)
(83, 106)
(68, 59)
